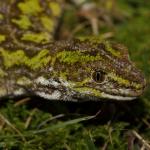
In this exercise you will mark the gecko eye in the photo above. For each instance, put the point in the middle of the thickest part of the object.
(98, 76)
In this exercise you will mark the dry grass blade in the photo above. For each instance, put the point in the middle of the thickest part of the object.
(50, 119)
(22, 101)
(63, 124)
(28, 121)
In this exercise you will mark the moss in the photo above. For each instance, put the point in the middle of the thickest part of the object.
(48, 23)
(71, 57)
(23, 22)
(111, 50)
(19, 58)
(55, 8)
(31, 7)
(87, 90)
(2, 38)
(36, 37)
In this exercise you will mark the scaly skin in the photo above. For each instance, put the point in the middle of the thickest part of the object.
(77, 70)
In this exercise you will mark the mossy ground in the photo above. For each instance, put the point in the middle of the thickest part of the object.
(38, 125)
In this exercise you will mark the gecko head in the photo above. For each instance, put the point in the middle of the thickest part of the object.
(104, 70)
(85, 70)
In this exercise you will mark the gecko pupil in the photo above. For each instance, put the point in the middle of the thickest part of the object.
(98, 76)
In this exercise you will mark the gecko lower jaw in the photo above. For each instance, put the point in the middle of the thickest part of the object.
(117, 97)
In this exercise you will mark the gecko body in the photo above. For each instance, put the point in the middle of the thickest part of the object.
(75, 70)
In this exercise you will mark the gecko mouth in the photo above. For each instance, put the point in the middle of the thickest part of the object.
(114, 93)
(123, 93)
(120, 92)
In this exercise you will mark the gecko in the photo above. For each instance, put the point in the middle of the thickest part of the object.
(32, 63)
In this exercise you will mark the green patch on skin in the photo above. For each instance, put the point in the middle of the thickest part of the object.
(2, 73)
(23, 22)
(2, 38)
(42, 37)
(124, 82)
(19, 58)
(111, 50)
(71, 57)
(40, 60)
(86, 90)
(30, 7)
(55, 8)
(136, 85)
(48, 23)
(1, 17)
(120, 80)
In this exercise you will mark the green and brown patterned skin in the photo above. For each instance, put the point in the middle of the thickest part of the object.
(77, 70)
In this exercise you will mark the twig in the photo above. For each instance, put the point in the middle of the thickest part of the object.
(146, 122)
(144, 142)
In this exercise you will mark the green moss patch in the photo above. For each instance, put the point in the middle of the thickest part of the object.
(71, 57)
(111, 50)
(48, 23)
(19, 58)
(31, 7)
(23, 22)
(42, 37)
(55, 8)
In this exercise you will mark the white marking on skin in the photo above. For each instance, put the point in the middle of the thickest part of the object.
(24, 81)
(104, 95)
(124, 91)
(54, 96)
(43, 81)
(120, 91)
